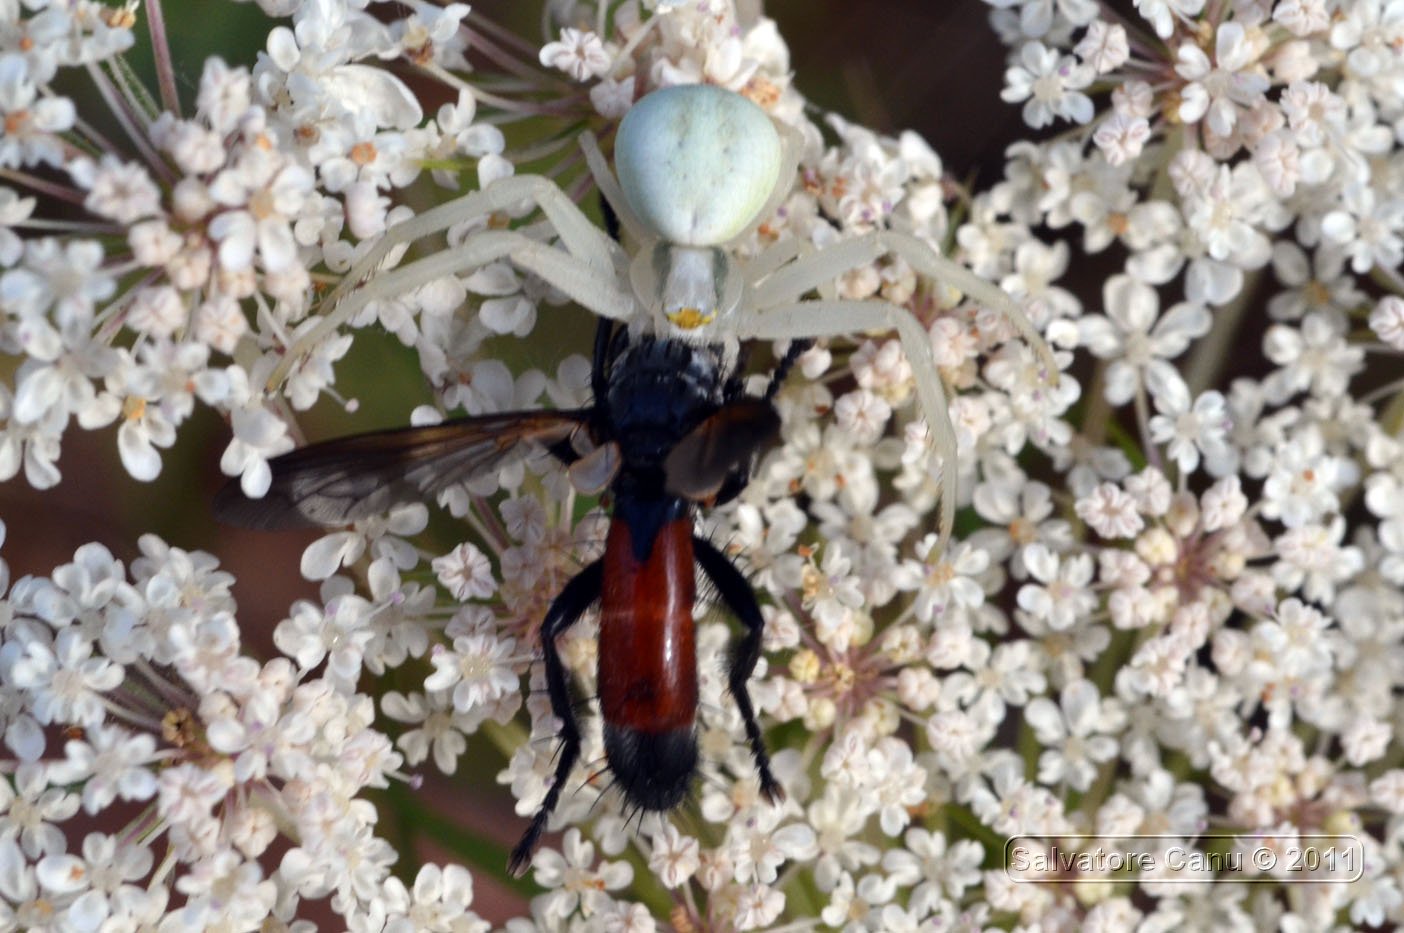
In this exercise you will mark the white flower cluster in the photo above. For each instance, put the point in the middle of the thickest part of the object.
(203, 227)
(1175, 601)
(142, 671)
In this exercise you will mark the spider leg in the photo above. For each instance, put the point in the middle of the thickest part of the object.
(609, 187)
(577, 596)
(585, 243)
(810, 319)
(820, 268)
(773, 257)
(581, 238)
(593, 287)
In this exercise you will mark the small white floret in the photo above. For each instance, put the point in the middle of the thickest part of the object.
(697, 163)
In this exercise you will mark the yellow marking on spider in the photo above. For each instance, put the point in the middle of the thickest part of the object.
(691, 318)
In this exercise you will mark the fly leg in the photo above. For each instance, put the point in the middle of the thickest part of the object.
(599, 366)
(783, 367)
(740, 599)
(577, 596)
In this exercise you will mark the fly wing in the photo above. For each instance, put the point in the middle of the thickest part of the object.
(721, 449)
(340, 481)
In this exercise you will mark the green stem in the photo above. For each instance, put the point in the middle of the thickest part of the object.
(505, 737)
(1097, 418)
(992, 841)
(1392, 418)
(1213, 352)
(481, 855)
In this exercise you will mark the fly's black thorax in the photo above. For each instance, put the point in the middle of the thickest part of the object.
(659, 390)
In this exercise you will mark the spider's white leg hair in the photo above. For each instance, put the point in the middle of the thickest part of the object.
(594, 288)
(609, 187)
(823, 266)
(808, 319)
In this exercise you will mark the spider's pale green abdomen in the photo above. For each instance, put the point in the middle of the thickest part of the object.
(697, 162)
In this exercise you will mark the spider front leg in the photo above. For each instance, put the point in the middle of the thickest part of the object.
(596, 257)
(776, 255)
(819, 269)
(812, 319)
(581, 238)
(597, 289)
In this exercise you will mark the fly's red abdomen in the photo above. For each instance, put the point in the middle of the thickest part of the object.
(648, 661)
(648, 651)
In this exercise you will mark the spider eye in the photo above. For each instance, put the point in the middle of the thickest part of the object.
(697, 162)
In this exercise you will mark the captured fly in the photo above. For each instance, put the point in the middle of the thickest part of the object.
(670, 429)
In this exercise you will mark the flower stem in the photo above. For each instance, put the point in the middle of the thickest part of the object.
(161, 52)
(1214, 351)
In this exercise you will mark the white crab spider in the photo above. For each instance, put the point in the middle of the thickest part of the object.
(699, 168)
